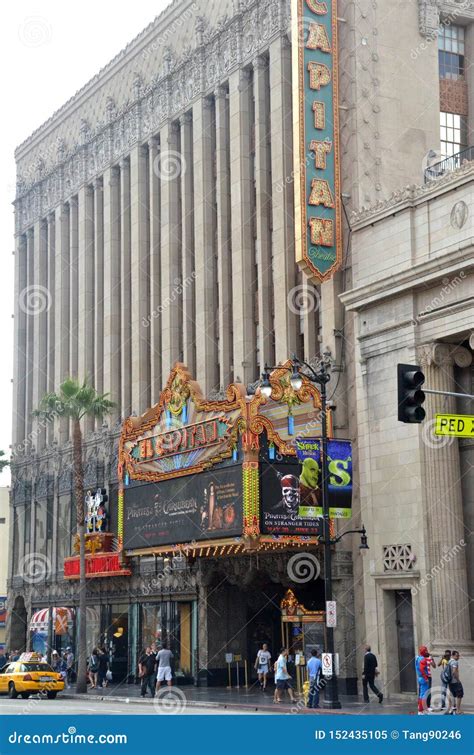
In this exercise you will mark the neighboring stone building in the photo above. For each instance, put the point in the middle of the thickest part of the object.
(415, 305)
(154, 224)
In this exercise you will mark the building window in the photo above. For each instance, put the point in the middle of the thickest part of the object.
(453, 133)
(2, 520)
(451, 52)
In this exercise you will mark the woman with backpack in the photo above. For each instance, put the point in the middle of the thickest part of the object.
(444, 663)
(94, 668)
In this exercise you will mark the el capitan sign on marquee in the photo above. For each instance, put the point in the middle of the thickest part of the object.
(318, 235)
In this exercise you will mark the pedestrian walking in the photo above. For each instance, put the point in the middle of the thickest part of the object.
(454, 683)
(94, 668)
(282, 677)
(368, 675)
(103, 667)
(70, 673)
(444, 662)
(3, 658)
(164, 673)
(262, 665)
(423, 675)
(314, 674)
(146, 671)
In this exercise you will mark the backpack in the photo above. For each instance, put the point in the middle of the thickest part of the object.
(447, 674)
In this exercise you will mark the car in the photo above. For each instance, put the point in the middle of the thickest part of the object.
(28, 676)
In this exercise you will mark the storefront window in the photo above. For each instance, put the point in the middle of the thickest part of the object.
(171, 623)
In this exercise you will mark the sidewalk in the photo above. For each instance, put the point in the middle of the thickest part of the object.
(253, 699)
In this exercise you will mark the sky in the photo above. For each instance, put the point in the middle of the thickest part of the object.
(47, 54)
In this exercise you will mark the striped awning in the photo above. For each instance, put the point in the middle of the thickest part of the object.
(39, 620)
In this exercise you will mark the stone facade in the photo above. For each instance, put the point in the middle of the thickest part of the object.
(154, 223)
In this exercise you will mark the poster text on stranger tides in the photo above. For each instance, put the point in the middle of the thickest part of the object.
(318, 237)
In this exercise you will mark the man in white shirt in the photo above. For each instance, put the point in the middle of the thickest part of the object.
(163, 659)
(262, 665)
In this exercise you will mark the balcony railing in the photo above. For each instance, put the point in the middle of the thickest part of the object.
(448, 164)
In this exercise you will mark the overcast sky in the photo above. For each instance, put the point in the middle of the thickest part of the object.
(49, 50)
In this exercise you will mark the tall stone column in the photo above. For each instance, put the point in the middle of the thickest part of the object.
(443, 504)
(51, 285)
(170, 248)
(61, 309)
(73, 288)
(140, 279)
(284, 266)
(20, 343)
(99, 288)
(241, 188)
(188, 220)
(224, 258)
(112, 340)
(263, 211)
(86, 283)
(204, 241)
(38, 304)
(125, 290)
(155, 271)
(30, 272)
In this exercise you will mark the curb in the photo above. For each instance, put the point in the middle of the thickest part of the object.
(208, 704)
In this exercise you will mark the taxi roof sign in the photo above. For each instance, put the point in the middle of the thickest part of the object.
(30, 657)
(457, 425)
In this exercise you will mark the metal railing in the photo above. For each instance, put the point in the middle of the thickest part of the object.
(449, 164)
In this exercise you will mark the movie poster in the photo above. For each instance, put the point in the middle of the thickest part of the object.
(184, 509)
(291, 488)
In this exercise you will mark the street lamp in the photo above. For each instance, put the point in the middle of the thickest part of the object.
(322, 378)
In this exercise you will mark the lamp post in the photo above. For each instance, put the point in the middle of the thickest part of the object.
(322, 378)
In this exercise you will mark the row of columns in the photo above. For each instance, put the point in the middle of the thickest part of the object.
(183, 251)
(446, 535)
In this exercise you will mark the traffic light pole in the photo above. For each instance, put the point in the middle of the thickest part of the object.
(331, 699)
(448, 393)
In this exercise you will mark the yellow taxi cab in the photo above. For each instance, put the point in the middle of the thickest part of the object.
(30, 675)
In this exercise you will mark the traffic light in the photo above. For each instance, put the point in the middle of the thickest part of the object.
(410, 395)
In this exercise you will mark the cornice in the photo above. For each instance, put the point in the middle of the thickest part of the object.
(418, 276)
(412, 195)
(232, 43)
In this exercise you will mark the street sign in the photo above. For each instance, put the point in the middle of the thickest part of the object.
(459, 425)
(331, 613)
(326, 661)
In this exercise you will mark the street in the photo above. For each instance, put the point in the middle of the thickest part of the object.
(37, 707)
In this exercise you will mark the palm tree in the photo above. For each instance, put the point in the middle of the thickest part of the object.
(76, 401)
(3, 462)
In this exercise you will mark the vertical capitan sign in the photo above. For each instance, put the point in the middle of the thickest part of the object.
(318, 240)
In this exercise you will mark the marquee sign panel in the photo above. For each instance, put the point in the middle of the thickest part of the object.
(318, 235)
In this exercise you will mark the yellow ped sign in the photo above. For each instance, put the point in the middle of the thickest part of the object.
(460, 425)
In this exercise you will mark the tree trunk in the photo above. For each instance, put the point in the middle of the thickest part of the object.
(81, 644)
